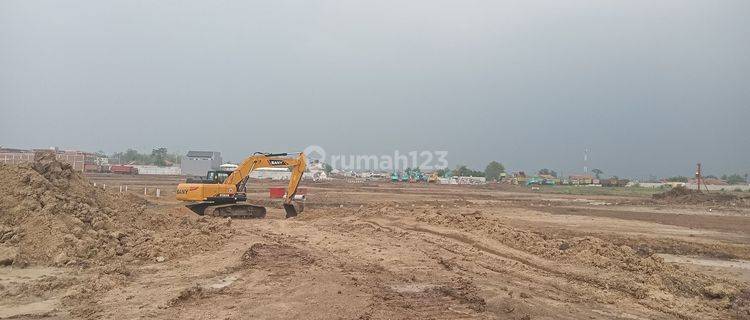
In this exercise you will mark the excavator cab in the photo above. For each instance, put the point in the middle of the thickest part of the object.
(213, 176)
(217, 176)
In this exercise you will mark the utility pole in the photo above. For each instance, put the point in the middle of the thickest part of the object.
(699, 177)
(586, 160)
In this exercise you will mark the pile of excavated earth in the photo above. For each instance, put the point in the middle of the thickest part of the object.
(51, 215)
(682, 195)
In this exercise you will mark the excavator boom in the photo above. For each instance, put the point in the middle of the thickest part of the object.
(223, 197)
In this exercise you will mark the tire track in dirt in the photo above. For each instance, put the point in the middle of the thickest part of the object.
(503, 307)
(550, 268)
(324, 259)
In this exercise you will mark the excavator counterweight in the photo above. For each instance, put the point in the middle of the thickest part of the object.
(226, 197)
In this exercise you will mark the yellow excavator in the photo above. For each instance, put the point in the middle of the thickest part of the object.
(223, 191)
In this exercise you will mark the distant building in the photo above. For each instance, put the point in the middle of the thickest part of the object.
(198, 163)
(470, 180)
(271, 173)
(462, 180)
(581, 179)
(157, 170)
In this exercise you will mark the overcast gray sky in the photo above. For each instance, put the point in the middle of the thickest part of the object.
(650, 87)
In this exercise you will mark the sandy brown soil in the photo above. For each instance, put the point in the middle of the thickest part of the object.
(401, 251)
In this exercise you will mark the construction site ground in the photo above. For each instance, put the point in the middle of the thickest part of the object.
(414, 251)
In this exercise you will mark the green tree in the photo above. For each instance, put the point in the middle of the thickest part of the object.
(443, 173)
(493, 170)
(476, 173)
(159, 157)
(548, 172)
(597, 172)
(461, 170)
(678, 179)
(129, 156)
(735, 179)
(173, 158)
(327, 168)
(464, 171)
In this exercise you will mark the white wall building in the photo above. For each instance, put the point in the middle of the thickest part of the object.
(148, 169)
(271, 173)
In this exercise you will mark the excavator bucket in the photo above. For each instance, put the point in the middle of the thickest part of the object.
(292, 210)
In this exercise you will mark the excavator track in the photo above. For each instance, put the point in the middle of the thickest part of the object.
(231, 210)
(239, 211)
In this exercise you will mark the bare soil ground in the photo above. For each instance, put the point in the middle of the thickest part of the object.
(409, 251)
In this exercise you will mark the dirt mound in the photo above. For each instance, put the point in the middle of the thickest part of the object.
(676, 192)
(619, 267)
(51, 215)
(682, 195)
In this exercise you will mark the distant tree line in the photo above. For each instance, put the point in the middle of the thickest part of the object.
(157, 157)
(734, 178)
(464, 171)
(492, 172)
(677, 179)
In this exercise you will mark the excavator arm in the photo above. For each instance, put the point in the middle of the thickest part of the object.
(296, 165)
(294, 180)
